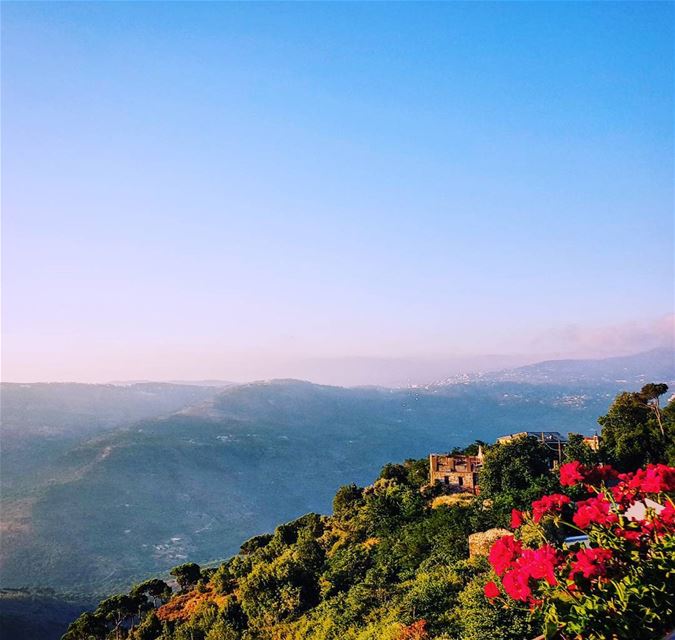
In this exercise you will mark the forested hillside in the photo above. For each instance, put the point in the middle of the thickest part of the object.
(136, 500)
(41, 421)
(392, 561)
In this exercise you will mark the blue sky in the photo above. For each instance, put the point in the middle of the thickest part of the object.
(228, 190)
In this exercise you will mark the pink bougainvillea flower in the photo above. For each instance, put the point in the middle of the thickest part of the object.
(595, 510)
(548, 504)
(626, 477)
(516, 584)
(572, 473)
(539, 564)
(627, 512)
(631, 535)
(516, 518)
(633, 480)
(504, 553)
(491, 590)
(667, 515)
(532, 565)
(591, 563)
(657, 478)
(623, 495)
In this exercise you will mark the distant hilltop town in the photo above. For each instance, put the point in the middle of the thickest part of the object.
(459, 472)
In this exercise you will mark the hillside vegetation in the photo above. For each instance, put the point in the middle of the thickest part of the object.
(391, 562)
(133, 501)
(42, 421)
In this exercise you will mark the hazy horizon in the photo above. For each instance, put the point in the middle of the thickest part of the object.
(346, 193)
(365, 371)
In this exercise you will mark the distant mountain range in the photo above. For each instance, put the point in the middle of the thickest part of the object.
(107, 484)
(631, 370)
(218, 384)
(41, 421)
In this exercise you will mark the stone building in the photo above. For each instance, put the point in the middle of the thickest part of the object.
(593, 442)
(457, 471)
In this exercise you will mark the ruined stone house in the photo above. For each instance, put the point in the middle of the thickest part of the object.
(459, 472)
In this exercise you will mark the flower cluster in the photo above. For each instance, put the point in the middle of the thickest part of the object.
(548, 504)
(574, 473)
(504, 553)
(590, 563)
(520, 568)
(625, 516)
(655, 478)
(595, 510)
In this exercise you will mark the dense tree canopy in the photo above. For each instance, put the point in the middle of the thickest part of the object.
(577, 449)
(187, 575)
(636, 431)
(516, 472)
